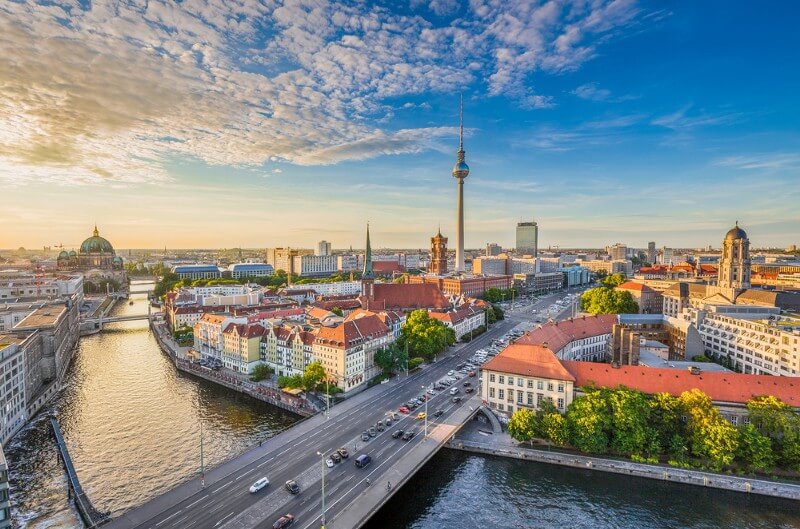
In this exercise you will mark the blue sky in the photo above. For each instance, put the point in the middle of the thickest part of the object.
(256, 124)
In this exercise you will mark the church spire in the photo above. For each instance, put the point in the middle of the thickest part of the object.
(96, 232)
(367, 273)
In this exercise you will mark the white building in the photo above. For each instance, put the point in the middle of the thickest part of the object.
(12, 390)
(314, 265)
(338, 288)
(609, 267)
(323, 248)
(242, 270)
(462, 320)
(197, 271)
(349, 263)
(585, 339)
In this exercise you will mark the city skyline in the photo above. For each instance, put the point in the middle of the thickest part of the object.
(618, 122)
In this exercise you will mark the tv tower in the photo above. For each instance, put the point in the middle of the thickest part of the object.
(460, 171)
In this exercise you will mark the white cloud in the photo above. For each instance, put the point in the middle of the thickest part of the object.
(592, 92)
(762, 162)
(106, 93)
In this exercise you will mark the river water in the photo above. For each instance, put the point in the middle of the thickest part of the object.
(132, 423)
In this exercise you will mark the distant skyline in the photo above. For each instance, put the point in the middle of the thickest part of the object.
(249, 124)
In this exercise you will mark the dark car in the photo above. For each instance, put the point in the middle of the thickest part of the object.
(468, 390)
(397, 434)
(408, 435)
(343, 453)
(284, 521)
(371, 432)
(467, 384)
(293, 487)
(438, 413)
(336, 458)
(365, 436)
(380, 426)
(456, 400)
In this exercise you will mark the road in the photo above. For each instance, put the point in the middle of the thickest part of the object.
(220, 503)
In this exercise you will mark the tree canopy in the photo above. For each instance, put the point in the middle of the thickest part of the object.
(603, 300)
(424, 336)
(391, 358)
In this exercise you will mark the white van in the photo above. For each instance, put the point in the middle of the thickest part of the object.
(454, 390)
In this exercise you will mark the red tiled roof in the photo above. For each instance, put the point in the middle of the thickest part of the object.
(528, 360)
(349, 333)
(245, 330)
(387, 267)
(344, 304)
(633, 285)
(407, 296)
(558, 334)
(721, 387)
(457, 315)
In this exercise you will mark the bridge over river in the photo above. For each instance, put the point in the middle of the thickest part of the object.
(349, 500)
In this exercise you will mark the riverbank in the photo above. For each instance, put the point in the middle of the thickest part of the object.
(498, 445)
(257, 391)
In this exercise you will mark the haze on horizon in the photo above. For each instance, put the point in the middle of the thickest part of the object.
(261, 123)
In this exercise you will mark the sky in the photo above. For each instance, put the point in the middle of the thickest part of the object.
(266, 123)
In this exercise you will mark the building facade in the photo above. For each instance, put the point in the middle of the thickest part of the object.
(197, 271)
(314, 265)
(242, 270)
(438, 265)
(463, 320)
(527, 238)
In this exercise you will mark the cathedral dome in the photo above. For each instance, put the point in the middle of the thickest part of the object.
(96, 244)
(63, 254)
(735, 233)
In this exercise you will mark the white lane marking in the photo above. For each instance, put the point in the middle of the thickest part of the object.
(168, 517)
(224, 518)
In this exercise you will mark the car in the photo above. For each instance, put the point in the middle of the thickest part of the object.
(258, 485)
(380, 426)
(421, 415)
(284, 521)
(456, 400)
(468, 390)
(365, 436)
(343, 453)
(329, 463)
(388, 421)
(408, 435)
(397, 434)
(454, 390)
(467, 384)
(363, 460)
(450, 373)
(292, 487)
(404, 409)
(391, 415)
(438, 413)
(372, 432)
(472, 373)
(335, 457)
(431, 391)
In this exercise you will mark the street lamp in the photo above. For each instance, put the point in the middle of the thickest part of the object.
(322, 466)
(427, 397)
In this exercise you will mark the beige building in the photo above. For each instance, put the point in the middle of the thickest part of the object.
(649, 300)
(523, 376)
(242, 346)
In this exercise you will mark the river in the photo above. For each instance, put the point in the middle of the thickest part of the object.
(132, 424)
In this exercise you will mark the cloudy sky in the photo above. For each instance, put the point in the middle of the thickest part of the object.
(269, 123)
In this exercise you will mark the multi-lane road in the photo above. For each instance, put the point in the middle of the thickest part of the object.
(227, 503)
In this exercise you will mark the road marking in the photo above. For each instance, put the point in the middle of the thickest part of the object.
(224, 518)
(168, 517)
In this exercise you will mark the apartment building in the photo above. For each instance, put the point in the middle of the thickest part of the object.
(241, 346)
(463, 320)
(586, 338)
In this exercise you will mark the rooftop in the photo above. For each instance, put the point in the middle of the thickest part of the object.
(556, 335)
(721, 387)
(528, 360)
(42, 317)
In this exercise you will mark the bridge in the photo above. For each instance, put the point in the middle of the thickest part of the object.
(344, 495)
(89, 514)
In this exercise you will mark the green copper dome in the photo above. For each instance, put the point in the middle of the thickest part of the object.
(96, 244)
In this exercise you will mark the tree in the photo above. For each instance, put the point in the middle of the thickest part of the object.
(313, 375)
(165, 284)
(755, 449)
(554, 428)
(614, 280)
(776, 420)
(710, 436)
(425, 336)
(491, 317)
(522, 425)
(292, 382)
(630, 413)
(604, 300)
(415, 362)
(261, 372)
(391, 358)
(337, 311)
(665, 415)
(589, 421)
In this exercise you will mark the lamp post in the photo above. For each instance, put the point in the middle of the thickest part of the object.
(327, 399)
(202, 462)
(427, 397)
(322, 466)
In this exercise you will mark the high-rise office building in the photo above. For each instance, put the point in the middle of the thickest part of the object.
(618, 252)
(323, 248)
(493, 249)
(651, 252)
(527, 238)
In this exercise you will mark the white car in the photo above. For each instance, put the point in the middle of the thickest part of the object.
(258, 485)
(329, 462)
(450, 373)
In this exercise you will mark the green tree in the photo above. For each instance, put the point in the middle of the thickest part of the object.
(313, 375)
(589, 421)
(665, 421)
(755, 449)
(614, 280)
(415, 362)
(425, 336)
(337, 311)
(776, 419)
(522, 425)
(292, 382)
(491, 317)
(553, 427)
(604, 300)
(710, 436)
(630, 413)
(165, 284)
(391, 358)
(261, 372)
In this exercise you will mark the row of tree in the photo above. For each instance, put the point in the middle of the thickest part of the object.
(494, 295)
(423, 336)
(686, 429)
(312, 379)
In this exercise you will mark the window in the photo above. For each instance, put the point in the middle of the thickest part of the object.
(491, 393)
(519, 397)
(491, 377)
(501, 393)
(539, 384)
(530, 383)
(502, 379)
(530, 399)
(520, 381)
(561, 387)
(560, 404)
(501, 406)
(539, 398)
(549, 386)
(510, 381)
